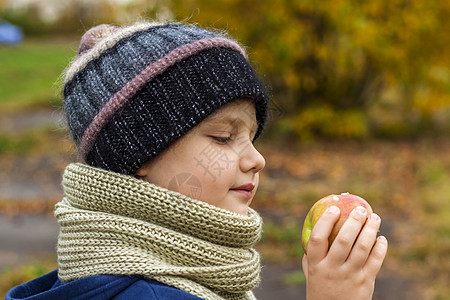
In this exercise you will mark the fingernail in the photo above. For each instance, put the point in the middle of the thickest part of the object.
(374, 217)
(360, 209)
(382, 239)
(333, 209)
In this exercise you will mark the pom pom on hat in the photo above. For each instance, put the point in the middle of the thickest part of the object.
(133, 91)
(93, 35)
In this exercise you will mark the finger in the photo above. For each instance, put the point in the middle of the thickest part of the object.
(376, 257)
(305, 266)
(365, 242)
(342, 245)
(318, 241)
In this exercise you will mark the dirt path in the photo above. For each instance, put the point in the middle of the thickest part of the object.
(25, 238)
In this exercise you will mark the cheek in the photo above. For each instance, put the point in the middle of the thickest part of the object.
(211, 165)
(169, 170)
(187, 184)
(215, 187)
(186, 173)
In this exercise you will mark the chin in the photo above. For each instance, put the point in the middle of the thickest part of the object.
(237, 208)
(241, 210)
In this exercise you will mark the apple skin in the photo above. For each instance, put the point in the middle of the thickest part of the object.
(346, 203)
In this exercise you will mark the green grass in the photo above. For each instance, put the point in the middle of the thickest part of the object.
(281, 236)
(43, 139)
(16, 145)
(11, 277)
(29, 73)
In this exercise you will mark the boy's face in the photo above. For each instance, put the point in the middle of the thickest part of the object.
(215, 162)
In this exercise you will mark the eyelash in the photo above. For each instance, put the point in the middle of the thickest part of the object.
(222, 140)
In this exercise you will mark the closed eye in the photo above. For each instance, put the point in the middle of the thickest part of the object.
(221, 139)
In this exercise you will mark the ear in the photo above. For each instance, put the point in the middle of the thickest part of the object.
(143, 170)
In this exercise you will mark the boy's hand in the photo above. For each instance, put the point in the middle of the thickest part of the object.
(348, 269)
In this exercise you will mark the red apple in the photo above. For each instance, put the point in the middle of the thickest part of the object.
(346, 203)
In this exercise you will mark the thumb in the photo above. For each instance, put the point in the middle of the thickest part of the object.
(305, 266)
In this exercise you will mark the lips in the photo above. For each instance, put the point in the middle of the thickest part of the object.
(245, 189)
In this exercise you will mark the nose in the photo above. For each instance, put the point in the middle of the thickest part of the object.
(251, 159)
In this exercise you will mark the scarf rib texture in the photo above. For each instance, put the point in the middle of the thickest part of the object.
(115, 224)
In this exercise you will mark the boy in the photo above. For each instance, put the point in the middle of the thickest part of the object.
(164, 117)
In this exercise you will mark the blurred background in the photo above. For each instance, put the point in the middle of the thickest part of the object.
(360, 103)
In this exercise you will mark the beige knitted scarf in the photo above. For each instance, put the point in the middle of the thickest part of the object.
(116, 224)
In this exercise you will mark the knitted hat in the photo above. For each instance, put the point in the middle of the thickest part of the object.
(133, 91)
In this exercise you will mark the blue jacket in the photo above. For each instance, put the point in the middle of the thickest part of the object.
(99, 287)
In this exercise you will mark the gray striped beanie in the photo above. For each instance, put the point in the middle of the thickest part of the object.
(133, 91)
